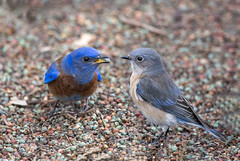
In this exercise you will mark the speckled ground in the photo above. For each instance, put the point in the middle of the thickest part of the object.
(198, 40)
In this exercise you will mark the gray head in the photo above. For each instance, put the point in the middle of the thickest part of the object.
(143, 59)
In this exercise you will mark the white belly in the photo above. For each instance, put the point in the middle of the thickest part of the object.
(153, 114)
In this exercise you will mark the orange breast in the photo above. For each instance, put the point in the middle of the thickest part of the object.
(65, 85)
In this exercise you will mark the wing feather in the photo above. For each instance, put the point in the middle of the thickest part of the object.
(167, 98)
(98, 75)
(52, 73)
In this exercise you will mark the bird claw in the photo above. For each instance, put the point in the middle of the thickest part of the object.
(162, 135)
(84, 110)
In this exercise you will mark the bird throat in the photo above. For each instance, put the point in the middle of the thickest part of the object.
(82, 73)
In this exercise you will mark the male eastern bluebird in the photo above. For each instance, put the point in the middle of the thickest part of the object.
(75, 76)
(158, 97)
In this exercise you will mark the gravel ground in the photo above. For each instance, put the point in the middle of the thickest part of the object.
(199, 43)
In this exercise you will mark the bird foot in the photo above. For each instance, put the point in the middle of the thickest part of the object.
(85, 109)
(163, 135)
(157, 140)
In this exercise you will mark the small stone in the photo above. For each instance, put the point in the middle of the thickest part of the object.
(9, 149)
(108, 118)
(107, 125)
(105, 120)
(191, 142)
(81, 145)
(115, 130)
(100, 122)
(174, 148)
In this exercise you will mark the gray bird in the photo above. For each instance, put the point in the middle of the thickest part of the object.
(158, 97)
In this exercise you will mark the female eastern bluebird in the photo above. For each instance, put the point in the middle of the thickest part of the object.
(75, 76)
(158, 97)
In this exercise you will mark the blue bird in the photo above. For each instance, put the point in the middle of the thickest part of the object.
(158, 97)
(75, 76)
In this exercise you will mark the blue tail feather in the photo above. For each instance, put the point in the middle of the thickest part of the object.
(206, 127)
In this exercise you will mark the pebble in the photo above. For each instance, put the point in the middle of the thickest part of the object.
(108, 118)
(9, 149)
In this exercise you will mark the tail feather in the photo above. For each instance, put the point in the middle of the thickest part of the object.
(207, 127)
(217, 134)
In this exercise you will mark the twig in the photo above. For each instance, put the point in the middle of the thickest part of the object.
(148, 27)
(40, 101)
(9, 154)
(122, 139)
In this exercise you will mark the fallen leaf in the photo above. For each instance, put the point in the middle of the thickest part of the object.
(18, 102)
(85, 39)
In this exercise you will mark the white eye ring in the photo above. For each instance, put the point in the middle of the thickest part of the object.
(140, 58)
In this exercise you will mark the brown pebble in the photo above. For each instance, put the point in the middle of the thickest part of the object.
(124, 152)
(50, 132)
(13, 141)
(107, 125)
(88, 118)
(179, 143)
(108, 118)
(42, 118)
(106, 137)
(118, 40)
(118, 100)
(59, 128)
(102, 102)
(110, 99)
(115, 130)
(20, 120)
(100, 121)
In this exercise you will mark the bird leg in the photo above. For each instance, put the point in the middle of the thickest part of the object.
(54, 109)
(86, 105)
(163, 134)
(75, 107)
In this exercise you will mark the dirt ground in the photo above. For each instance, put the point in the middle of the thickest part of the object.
(198, 41)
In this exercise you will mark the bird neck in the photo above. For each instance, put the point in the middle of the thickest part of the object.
(156, 70)
(83, 74)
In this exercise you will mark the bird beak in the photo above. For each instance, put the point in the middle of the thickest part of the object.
(102, 59)
(126, 57)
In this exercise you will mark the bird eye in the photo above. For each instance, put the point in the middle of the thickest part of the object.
(140, 58)
(86, 58)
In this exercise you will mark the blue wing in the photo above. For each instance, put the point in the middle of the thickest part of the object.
(162, 93)
(98, 75)
(159, 96)
(52, 73)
